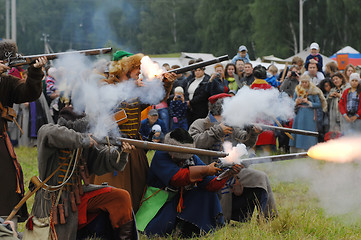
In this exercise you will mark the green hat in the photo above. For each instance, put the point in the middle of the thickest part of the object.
(118, 55)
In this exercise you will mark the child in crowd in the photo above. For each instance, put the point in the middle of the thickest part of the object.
(242, 55)
(272, 76)
(178, 110)
(314, 57)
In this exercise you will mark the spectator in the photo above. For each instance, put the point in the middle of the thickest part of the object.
(272, 76)
(323, 116)
(349, 69)
(52, 93)
(166, 66)
(180, 81)
(242, 54)
(315, 56)
(248, 74)
(299, 62)
(240, 68)
(289, 84)
(217, 83)
(178, 110)
(333, 98)
(350, 106)
(307, 100)
(315, 76)
(156, 136)
(232, 78)
(330, 69)
(147, 124)
(196, 94)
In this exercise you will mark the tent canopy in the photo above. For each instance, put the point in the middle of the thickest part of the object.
(354, 56)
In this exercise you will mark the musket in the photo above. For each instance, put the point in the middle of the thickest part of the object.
(289, 130)
(160, 146)
(255, 160)
(18, 60)
(199, 65)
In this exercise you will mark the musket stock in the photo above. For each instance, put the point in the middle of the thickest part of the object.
(162, 147)
(24, 60)
(199, 65)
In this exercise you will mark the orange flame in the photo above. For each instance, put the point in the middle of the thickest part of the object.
(150, 69)
(341, 150)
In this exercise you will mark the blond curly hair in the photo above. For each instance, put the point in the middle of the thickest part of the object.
(125, 65)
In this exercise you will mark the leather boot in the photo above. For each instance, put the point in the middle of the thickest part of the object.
(126, 232)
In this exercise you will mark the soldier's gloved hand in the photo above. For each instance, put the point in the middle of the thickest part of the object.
(236, 168)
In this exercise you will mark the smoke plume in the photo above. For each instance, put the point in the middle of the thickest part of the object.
(250, 106)
(77, 79)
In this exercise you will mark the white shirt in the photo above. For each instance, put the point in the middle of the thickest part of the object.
(316, 80)
(193, 86)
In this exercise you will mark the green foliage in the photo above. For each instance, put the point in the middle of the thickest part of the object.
(167, 26)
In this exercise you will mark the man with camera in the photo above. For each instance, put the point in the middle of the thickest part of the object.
(289, 84)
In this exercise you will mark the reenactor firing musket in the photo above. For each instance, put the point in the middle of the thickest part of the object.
(159, 146)
(266, 159)
(19, 60)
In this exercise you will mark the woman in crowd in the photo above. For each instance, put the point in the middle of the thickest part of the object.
(324, 121)
(347, 72)
(217, 83)
(350, 106)
(196, 95)
(232, 78)
(307, 101)
(330, 69)
(333, 99)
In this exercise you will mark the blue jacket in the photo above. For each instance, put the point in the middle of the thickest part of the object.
(146, 128)
(238, 56)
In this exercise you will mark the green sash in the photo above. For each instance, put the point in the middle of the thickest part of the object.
(153, 201)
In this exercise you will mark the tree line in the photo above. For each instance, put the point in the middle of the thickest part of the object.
(168, 26)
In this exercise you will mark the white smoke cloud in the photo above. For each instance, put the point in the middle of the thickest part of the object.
(99, 100)
(249, 106)
(336, 186)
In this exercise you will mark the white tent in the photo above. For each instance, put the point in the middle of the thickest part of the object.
(347, 49)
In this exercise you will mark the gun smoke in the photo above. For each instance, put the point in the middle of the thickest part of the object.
(250, 106)
(77, 79)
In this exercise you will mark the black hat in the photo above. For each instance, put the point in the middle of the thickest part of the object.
(179, 137)
(260, 72)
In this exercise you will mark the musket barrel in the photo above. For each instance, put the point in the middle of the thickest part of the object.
(172, 148)
(29, 59)
(289, 130)
(163, 147)
(273, 158)
(199, 65)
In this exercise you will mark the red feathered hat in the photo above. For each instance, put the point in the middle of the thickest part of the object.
(214, 98)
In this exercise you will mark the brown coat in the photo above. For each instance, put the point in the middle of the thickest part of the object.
(14, 90)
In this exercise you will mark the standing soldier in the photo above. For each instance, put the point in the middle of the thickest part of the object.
(126, 67)
(14, 90)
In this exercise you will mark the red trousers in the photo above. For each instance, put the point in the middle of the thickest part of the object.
(116, 202)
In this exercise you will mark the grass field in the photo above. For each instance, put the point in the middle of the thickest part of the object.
(300, 213)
